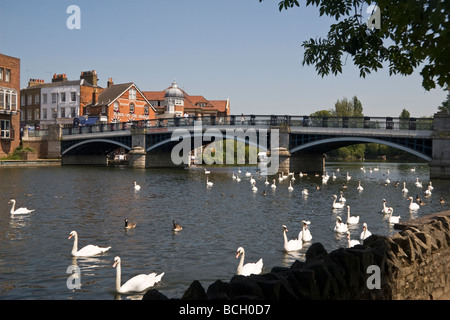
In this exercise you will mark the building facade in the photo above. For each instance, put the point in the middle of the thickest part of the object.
(9, 106)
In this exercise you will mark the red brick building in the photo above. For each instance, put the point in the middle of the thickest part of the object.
(9, 106)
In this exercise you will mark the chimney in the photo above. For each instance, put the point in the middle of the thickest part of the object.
(94, 96)
(59, 77)
(89, 76)
(34, 82)
(110, 82)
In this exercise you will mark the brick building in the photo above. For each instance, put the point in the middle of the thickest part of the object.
(9, 107)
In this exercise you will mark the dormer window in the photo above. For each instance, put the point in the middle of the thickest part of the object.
(132, 94)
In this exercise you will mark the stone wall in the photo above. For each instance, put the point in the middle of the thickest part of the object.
(413, 264)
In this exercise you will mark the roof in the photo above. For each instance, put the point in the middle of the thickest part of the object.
(81, 82)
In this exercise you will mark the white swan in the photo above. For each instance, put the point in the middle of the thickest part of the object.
(254, 188)
(359, 188)
(248, 268)
(340, 227)
(417, 183)
(238, 179)
(342, 198)
(139, 283)
(365, 233)
(351, 219)
(293, 244)
(394, 219)
(305, 192)
(386, 209)
(430, 186)
(350, 242)
(273, 186)
(252, 180)
(207, 171)
(337, 205)
(428, 191)
(404, 190)
(208, 183)
(87, 251)
(305, 234)
(348, 177)
(413, 205)
(136, 186)
(19, 210)
(266, 182)
(290, 188)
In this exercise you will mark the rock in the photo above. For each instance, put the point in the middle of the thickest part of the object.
(316, 250)
(219, 290)
(154, 294)
(243, 287)
(195, 292)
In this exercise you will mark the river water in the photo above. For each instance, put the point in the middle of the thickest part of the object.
(94, 201)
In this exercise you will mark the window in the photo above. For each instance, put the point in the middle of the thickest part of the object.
(1, 73)
(63, 112)
(8, 99)
(44, 113)
(72, 112)
(2, 99)
(22, 100)
(8, 75)
(36, 114)
(132, 94)
(44, 98)
(30, 99)
(63, 97)
(73, 96)
(30, 114)
(22, 116)
(131, 107)
(5, 126)
(36, 99)
(53, 97)
(146, 109)
(116, 106)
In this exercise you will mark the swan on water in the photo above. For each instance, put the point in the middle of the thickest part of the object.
(386, 209)
(394, 219)
(417, 183)
(305, 234)
(413, 205)
(350, 242)
(428, 191)
(129, 224)
(293, 244)
(337, 205)
(290, 188)
(208, 183)
(273, 186)
(351, 219)
(207, 171)
(137, 284)
(254, 188)
(305, 192)
(365, 233)
(340, 227)
(87, 251)
(18, 210)
(136, 186)
(248, 268)
(342, 198)
(176, 226)
(266, 182)
(359, 188)
(348, 177)
(404, 190)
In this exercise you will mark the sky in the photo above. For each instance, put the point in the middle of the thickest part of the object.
(243, 50)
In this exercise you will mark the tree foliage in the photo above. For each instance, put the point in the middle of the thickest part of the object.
(445, 107)
(413, 34)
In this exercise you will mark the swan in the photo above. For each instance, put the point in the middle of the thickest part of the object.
(342, 198)
(351, 219)
(233, 176)
(417, 183)
(207, 171)
(365, 233)
(428, 191)
(305, 192)
(130, 224)
(19, 210)
(176, 226)
(388, 181)
(394, 219)
(404, 190)
(350, 242)
(273, 186)
(139, 283)
(248, 174)
(266, 182)
(337, 205)
(136, 187)
(208, 183)
(290, 188)
(359, 188)
(238, 179)
(254, 188)
(430, 186)
(413, 205)
(248, 268)
(293, 244)
(280, 178)
(340, 227)
(348, 177)
(386, 209)
(87, 251)
(252, 180)
(305, 234)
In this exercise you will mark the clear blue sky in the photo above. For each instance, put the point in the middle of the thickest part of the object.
(239, 49)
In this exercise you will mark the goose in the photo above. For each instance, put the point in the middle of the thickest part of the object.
(290, 188)
(365, 233)
(264, 192)
(208, 183)
(137, 284)
(207, 171)
(413, 205)
(404, 190)
(342, 198)
(337, 205)
(130, 224)
(87, 251)
(305, 192)
(441, 200)
(305, 234)
(19, 210)
(248, 268)
(339, 226)
(351, 219)
(136, 186)
(273, 186)
(350, 242)
(386, 209)
(394, 219)
(293, 244)
(176, 226)
(417, 183)
(359, 188)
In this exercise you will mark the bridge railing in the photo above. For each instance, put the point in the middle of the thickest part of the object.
(381, 123)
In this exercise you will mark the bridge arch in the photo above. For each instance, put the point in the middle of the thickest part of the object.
(328, 144)
(94, 147)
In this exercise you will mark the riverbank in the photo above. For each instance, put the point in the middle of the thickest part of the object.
(30, 163)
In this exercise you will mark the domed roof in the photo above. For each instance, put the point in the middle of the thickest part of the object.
(174, 91)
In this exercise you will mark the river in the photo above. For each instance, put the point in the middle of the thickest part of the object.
(94, 201)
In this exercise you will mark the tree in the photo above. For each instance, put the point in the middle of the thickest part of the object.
(445, 107)
(405, 114)
(346, 108)
(411, 35)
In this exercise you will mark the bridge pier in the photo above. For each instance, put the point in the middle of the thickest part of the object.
(307, 162)
(440, 163)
